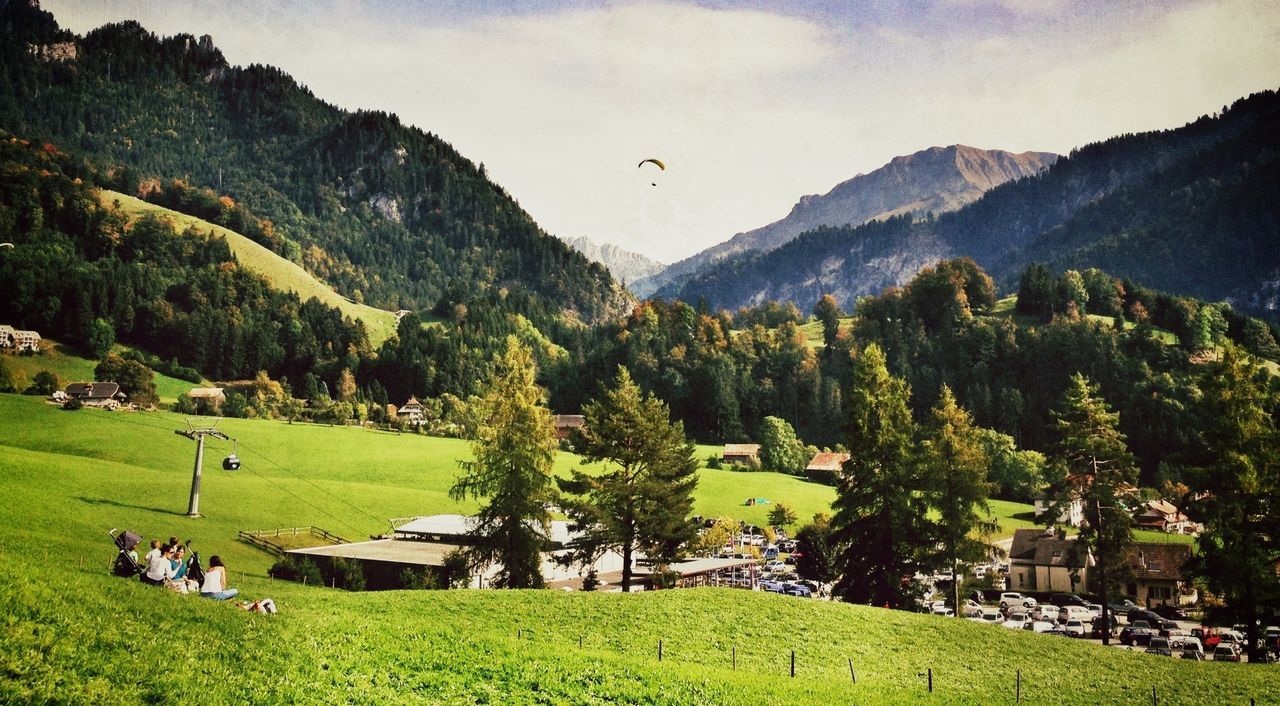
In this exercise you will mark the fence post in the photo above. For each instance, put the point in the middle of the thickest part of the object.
(852, 675)
(1019, 697)
(579, 642)
(1154, 701)
(735, 658)
(930, 680)
(659, 650)
(793, 664)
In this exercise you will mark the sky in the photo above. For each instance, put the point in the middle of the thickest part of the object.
(750, 104)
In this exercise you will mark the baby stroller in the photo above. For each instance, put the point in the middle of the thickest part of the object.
(125, 565)
(195, 572)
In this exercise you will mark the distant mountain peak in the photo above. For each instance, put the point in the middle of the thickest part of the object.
(624, 265)
(936, 179)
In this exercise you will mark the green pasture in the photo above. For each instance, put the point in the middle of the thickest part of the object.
(73, 634)
(282, 273)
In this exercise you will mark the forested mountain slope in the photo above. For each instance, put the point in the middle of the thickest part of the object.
(1190, 210)
(386, 213)
(934, 180)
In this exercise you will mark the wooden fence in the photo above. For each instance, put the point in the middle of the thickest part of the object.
(262, 538)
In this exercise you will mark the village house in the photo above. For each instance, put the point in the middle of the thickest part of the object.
(1046, 560)
(825, 467)
(566, 423)
(1156, 573)
(6, 336)
(748, 454)
(412, 412)
(1163, 516)
(1072, 514)
(105, 395)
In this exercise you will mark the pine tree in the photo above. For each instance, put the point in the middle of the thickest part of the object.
(1092, 464)
(1237, 488)
(643, 500)
(880, 522)
(514, 448)
(955, 466)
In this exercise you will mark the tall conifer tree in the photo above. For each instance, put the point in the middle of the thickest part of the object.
(514, 448)
(643, 500)
(880, 522)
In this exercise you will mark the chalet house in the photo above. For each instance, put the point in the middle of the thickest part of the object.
(742, 453)
(566, 423)
(106, 395)
(1156, 573)
(1163, 516)
(211, 396)
(1071, 514)
(1044, 560)
(825, 467)
(413, 412)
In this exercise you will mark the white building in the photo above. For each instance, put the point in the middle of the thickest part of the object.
(1071, 514)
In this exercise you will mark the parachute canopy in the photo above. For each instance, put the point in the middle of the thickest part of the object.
(658, 162)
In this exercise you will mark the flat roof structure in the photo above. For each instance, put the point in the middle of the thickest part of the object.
(442, 527)
(386, 550)
(696, 567)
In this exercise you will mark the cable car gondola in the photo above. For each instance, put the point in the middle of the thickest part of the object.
(232, 462)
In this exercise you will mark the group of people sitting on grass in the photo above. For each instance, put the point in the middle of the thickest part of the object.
(167, 565)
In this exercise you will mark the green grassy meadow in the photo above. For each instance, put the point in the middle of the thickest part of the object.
(379, 324)
(70, 367)
(73, 634)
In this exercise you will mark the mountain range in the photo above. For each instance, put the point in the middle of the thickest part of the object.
(386, 213)
(624, 265)
(1193, 210)
(933, 180)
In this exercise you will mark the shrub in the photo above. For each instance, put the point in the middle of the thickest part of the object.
(714, 461)
(72, 405)
(301, 570)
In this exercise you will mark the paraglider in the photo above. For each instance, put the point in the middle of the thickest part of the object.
(654, 161)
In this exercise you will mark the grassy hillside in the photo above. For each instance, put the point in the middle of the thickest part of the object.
(282, 273)
(71, 631)
(70, 367)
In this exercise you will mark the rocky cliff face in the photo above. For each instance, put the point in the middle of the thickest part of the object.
(624, 265)
(937, 179)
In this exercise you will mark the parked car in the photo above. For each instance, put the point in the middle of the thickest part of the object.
(1177, 637)
(1230, 637)
(1017, 621)
(1043, 626)
(943, 611)
(971, 608)
(1135, 636)
(1164, 627)
(1074, 627)
(1210, 637)
(1098, 627)
(771, 586)
(1123, 607)
(1063, 599)
(770, 552)
(1192, 644)
(1074, 612)
(1136, 614)
(775, 567)
(795, 589)
(1170, 612)
(1197, 656)
(991, 616)
(1160, 645)
(1016, 599)
(1226, 652)
(1096, 609)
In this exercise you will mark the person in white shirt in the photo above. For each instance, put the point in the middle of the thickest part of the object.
(160, 569)
(155, 552)
(215, 581)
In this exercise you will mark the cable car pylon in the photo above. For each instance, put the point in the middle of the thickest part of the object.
(193, 507)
